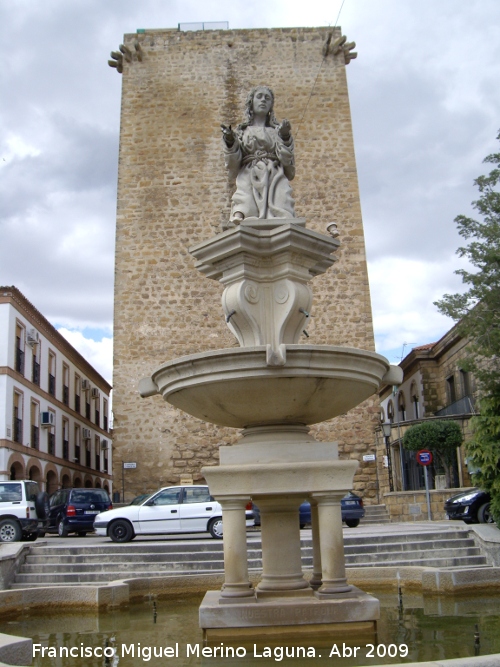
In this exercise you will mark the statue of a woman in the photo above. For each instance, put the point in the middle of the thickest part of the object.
(259, 154)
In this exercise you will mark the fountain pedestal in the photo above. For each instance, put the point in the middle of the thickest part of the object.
(273, 388)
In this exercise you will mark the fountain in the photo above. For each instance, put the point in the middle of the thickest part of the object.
(273, 388)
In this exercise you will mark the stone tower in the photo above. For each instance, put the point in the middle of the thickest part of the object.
(173, 192)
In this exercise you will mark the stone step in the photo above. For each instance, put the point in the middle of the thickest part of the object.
(101, 563)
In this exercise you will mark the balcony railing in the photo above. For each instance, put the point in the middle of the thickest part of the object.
(35, 437)
(65, 449)
(52, 443)
(36, 372)
(52, 385)
(105, 465)
(77, 454)
(97, 418)
(105, 423)
(77, 403)
(87, 459)
(19, 361)
(97, 462)
(65, 395)
(18, 430)
(464, 406)
(87, 410)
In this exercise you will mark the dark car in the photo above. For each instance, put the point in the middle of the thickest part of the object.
(74, 510)
(472, 506)
(351, 505)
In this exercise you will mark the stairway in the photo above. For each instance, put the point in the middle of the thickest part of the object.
(101, 563)
(376, 514)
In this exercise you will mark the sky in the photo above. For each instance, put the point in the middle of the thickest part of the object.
(425, 103)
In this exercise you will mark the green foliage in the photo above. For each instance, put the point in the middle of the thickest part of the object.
(440, 436)
(484, 450)
(478, 308)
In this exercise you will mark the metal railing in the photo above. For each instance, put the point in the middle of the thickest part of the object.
(464, 406)
(35, 437)
(19, 360)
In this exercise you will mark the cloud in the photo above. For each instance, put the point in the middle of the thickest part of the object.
(98, 353)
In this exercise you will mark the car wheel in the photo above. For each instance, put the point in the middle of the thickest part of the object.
(10, 531)
(352, 523)
(42, 506)
(120, 531)
(62, 531)
(484, 515)
(215, 528)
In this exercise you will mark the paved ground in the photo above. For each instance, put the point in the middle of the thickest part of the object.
(368, 529)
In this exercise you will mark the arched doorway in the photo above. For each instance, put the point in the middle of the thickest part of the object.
(16, 471)
(98, 485)
(77, 483)
(51, 482)
(66, 482)
(88, 484)
(35, 474)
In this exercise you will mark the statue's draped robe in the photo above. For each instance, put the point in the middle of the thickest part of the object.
(263, 165)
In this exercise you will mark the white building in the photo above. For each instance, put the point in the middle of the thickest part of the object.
(54, 406)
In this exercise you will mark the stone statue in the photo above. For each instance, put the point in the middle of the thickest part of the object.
(259, 154)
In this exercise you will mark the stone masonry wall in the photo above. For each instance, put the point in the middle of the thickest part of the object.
(173, 192)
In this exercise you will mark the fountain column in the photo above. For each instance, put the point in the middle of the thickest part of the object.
(236, 584)
(316, 579)
(281, 557)
(331, 545)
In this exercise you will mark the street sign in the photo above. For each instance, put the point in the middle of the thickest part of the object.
(424, 457)
(369, 457)
(130, 465)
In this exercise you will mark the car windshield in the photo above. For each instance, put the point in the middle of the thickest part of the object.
(90, 496)
(141, 499)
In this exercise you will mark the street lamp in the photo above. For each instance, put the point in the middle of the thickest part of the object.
(386, 430)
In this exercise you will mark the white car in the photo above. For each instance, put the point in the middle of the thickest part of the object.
(175, 509)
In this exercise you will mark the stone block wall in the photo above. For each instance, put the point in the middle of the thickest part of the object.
(173, 192)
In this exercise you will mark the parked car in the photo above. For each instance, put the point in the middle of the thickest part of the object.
(74, 510)
(351, 506)
(471, 506)
(23, 510)
(174, 509)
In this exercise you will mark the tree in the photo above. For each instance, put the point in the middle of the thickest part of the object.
(478, 308)
(442, 437)
(478, 313)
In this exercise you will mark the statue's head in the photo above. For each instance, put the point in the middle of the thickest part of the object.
(249, 106)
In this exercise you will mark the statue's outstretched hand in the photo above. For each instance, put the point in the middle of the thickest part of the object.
(285, 129)
(228, 135)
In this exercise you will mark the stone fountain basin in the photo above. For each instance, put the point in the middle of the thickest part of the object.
(235, 387)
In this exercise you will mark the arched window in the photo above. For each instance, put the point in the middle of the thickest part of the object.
(402, 406)
(390, 412)
(415, 401)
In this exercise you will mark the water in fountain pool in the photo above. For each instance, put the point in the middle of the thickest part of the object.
(419, 629)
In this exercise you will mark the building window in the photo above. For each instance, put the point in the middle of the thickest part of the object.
(451, 390)
(77, 393)
(19, 363)
(52, 374)
(77, 443)
(65, 435)
(97, 447)
(87, 410)
(35, 369)
(105, 414)
(465, 383)
(390, 412)
(18, 417)
(88, 452)
(65, 384)
(415, 401)
(51, 434)
(402, 407)
(35, 425)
